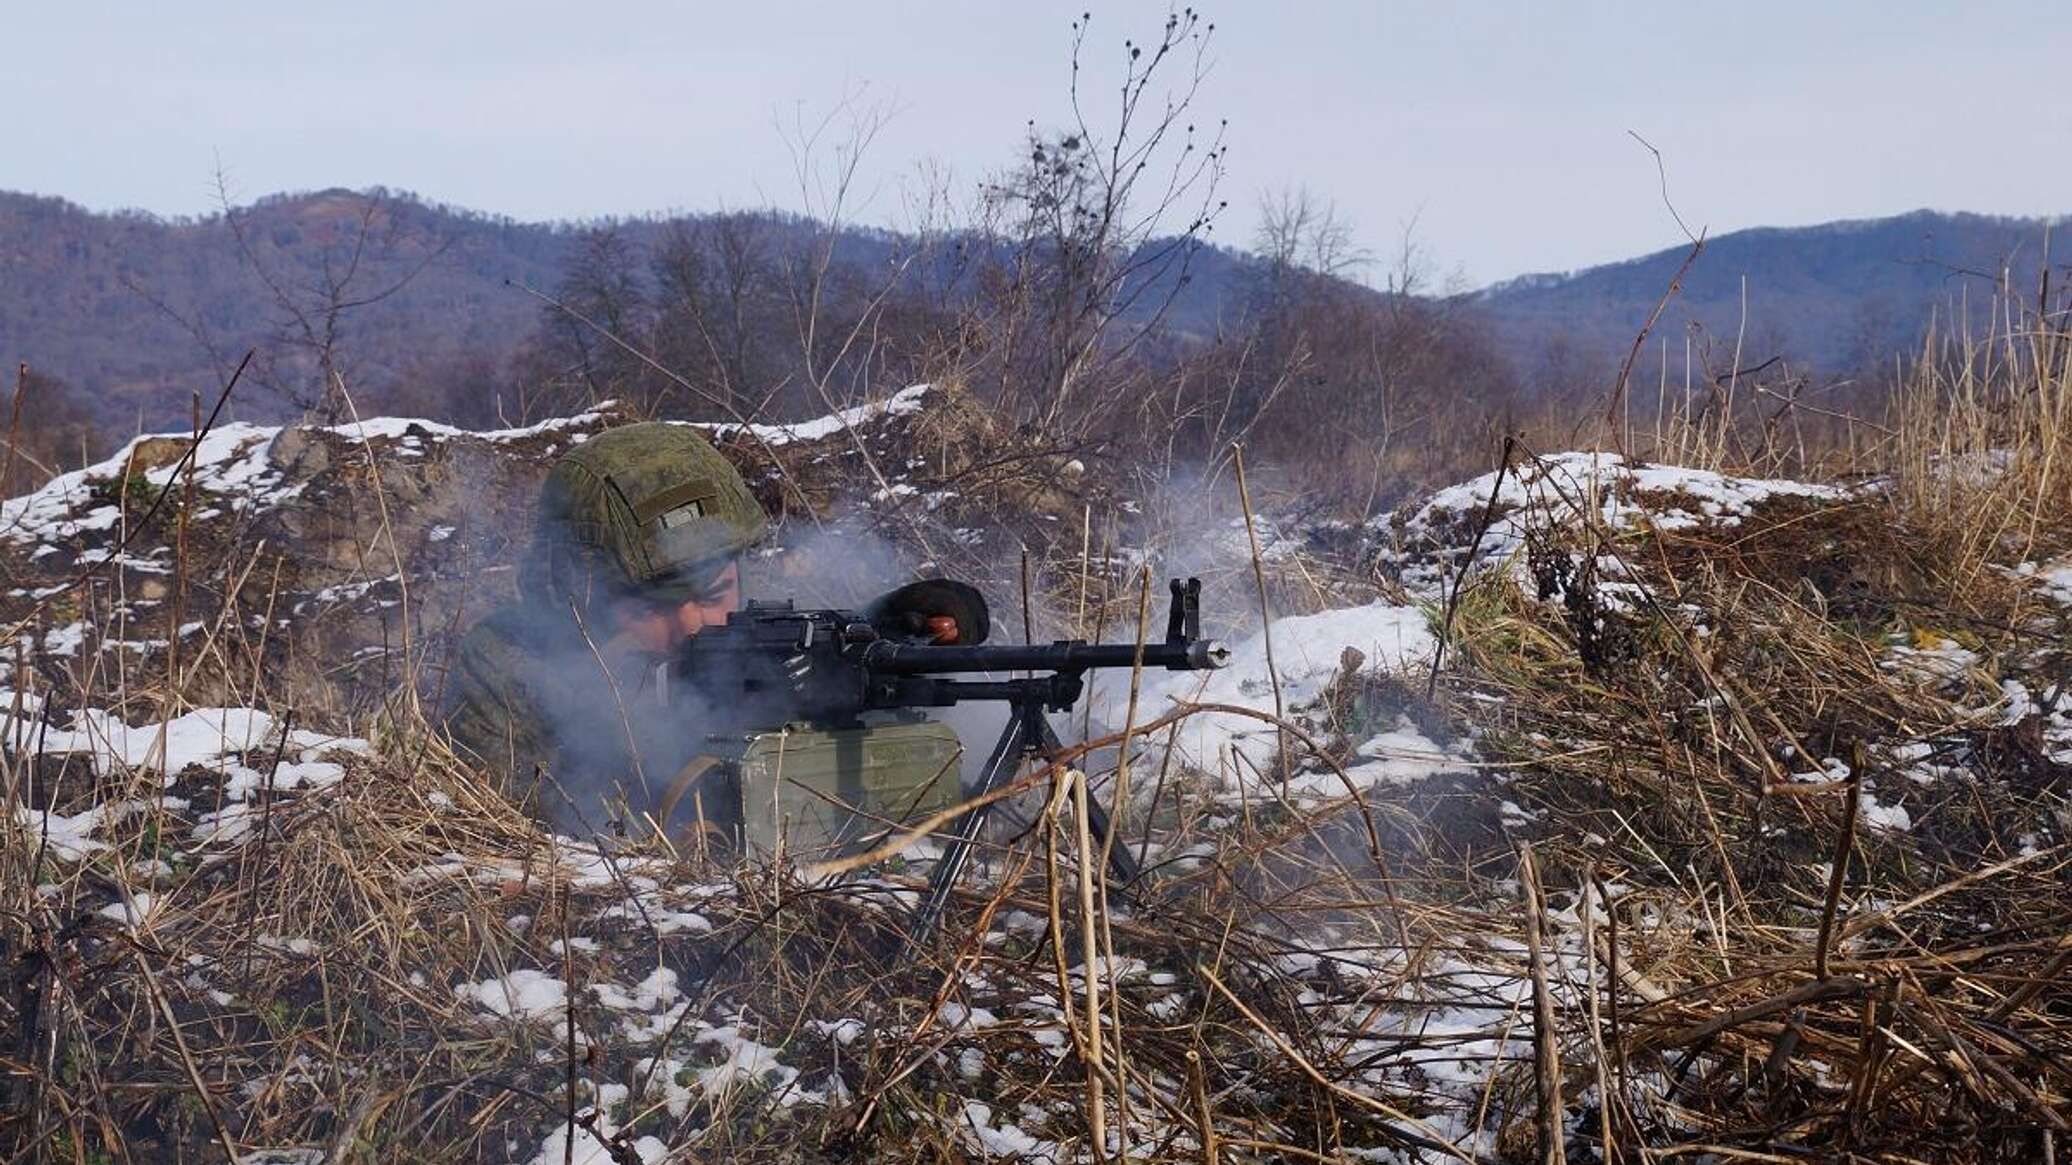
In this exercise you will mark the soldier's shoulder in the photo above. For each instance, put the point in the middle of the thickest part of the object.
(503, 639)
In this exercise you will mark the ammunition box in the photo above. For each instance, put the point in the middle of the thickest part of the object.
(814, 793)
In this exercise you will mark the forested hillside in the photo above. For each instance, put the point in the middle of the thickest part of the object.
(416, 301)
(1834, 298)
(419, 305)
(1114, 340)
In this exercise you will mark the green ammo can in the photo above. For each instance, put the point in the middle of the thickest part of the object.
(813, 793)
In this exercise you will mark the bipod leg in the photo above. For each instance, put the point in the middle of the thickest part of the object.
(1027, 731)
(1014, 743)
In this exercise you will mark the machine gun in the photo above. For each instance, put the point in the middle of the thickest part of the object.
(844, 674)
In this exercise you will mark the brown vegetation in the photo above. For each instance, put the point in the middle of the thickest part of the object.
(1735, 954)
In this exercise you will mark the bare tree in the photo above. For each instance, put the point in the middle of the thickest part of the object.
(49, 427)
(602, 293)
(1102, 220)
(1300, 231)
(827, 159)
(718, 287)
(308, 363)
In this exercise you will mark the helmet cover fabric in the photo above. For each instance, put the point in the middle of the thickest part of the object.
(650, 508)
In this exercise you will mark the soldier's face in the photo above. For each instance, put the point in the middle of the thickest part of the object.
(662, 629)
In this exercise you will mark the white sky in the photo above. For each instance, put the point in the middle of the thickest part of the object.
(1500, 128)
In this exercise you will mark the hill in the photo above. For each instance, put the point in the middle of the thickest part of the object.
(137, 312)
(1836, 297)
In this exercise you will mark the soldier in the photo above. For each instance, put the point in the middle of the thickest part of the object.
(637, 547)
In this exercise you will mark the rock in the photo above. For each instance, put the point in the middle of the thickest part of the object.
(299, 452)
(157, 453)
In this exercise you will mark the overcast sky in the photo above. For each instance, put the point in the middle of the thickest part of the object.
(1500, 129)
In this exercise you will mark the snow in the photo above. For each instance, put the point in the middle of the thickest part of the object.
(902, 403)
(1561, 489)
(232, 459)
(2052, 580)
(229, 824)
(296, 945)
(396, 428)
(233, 462)
(1004, 1139)
(2057, 731)
(587, 1148)
(955, 1016)
(1883, 818)
(522, 994)
(65, 640)
(841, 1031)
(206, 737)
(658, 990)
(346, 592)
(1399, 756)
(133, 912)
(747, 1062)
(665, 919)
(1308, 653)
(69, 835)
(243, 782)
(1931, 657)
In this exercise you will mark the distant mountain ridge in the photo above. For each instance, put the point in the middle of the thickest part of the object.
(139, 312)
(1833, 296)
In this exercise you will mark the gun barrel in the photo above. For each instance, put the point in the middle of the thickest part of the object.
(906, 659)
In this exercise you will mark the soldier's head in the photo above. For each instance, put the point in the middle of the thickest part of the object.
(642, 528)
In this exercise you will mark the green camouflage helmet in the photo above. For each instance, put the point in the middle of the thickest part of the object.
(649, 508)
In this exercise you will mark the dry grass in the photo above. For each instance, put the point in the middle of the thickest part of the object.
(1776, 979)
(1727, 959)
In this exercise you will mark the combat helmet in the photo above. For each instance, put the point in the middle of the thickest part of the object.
(648, 509)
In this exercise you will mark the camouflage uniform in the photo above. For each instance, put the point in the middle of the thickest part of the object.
(648, 511)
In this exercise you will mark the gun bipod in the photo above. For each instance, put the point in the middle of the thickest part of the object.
(1027, 734)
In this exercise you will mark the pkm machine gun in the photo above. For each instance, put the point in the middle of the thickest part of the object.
(852, 683)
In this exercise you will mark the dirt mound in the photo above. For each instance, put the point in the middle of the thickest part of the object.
(303, 545)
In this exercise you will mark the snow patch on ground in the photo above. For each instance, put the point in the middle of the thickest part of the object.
(68, 836)
(656, 991)
(205, 736)
(232, 460)
(575, 1144)
(522, 994)
(1309, 652)
(1434, 538)
(1002, 1138)
(748, 1062)
(906, 401)
(2053, 580)
(404, 428)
